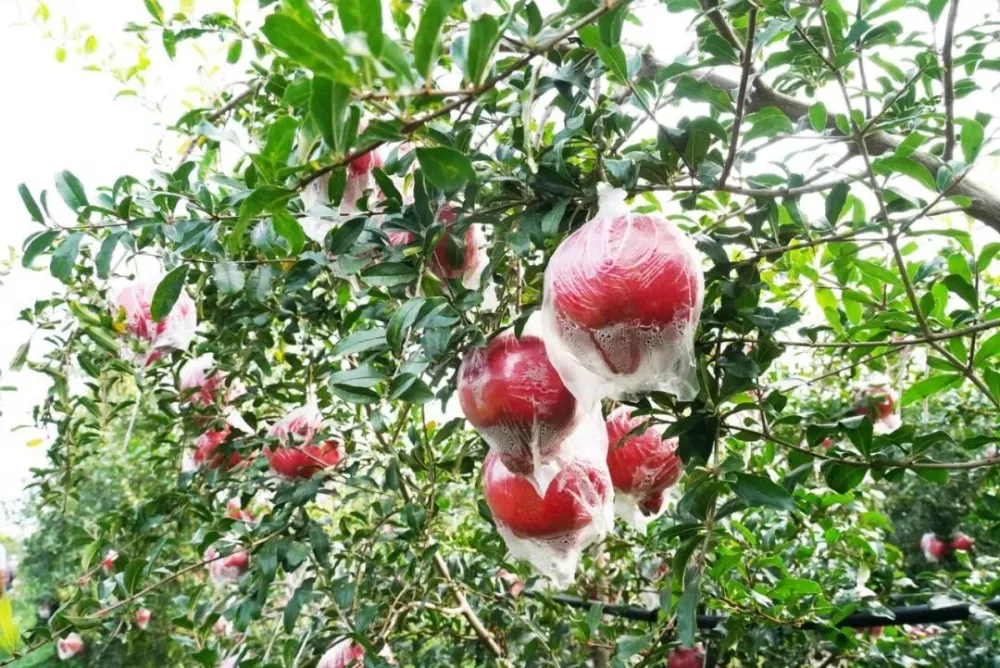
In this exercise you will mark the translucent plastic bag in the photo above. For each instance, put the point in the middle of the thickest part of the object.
(321, 218)
(642, 466)
(203, 385)
(623, 297)
(515, 399)
(175, 332)
(301, 454)
(550, 525)
(880, 403)
(341, 655)
(227, 569)
(468, 267)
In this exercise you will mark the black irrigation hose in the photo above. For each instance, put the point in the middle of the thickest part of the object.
(907, 614)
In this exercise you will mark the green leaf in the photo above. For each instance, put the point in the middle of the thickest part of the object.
(835, 202)
(767, 122)
(907, 167)
(614, 59)
(930, 386)
(817, 116)
(552, 220)
(104, 256)
(30, 204)
(154, 9)
(972, 140)
(329, 106)
(134, 573)
(21, 356)
(234, 52)
(259, 284)
(610, 25)
(71, 190)
(628, 646)
(402, 320)
(280, 139)
(37, 245)
(359, 342)
(407, 387)
(290, 230)
(268, 198)
(446, 168)
(10, 633)
(64, 257)
(935, 8)
(344, 236)
(760, 491)
(229, 278)
(389, 274)
(962, 288)
(687, 607)
(363, 16)
(482, 41)
(878, 273)
(795, 588)
(425, 43)
(168, 292)
(302, 596)
(300, 39)
(842, 479)
(988, 349)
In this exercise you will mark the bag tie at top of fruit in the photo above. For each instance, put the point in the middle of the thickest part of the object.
(622, 300)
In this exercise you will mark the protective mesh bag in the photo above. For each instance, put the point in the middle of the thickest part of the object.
(881, 404)
(549, 524)
(643, 467)
(515, 399)
(133, 302)
(623, 296)
(302, 454)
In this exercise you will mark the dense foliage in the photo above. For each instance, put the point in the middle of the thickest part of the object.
(818, 153)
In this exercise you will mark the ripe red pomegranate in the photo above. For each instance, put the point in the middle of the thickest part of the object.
(142, 618)
(228, 568)
(70, 646)
(641, 465)
(827, 443)
(684, 657)
(363, 164)
(205, 450)
(933, 548)
(621, 287)
(962, 542)
(877, 402)
(569, 504)
(441, 264)
(108, 563)
(513, 396)
(304, 461)
(345, 653)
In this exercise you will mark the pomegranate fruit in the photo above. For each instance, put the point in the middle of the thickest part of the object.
(343, 654)
(933, 548)
(108, 563)
(962, 542)
(684, 657)
(641, 465)
(228, 568)
(570, 502)
(206, 447)
(473, 258)
(876, 401)
(131, 311)
(300, 456)
(70, 646)
(142, 618)
(513, 396)
(623, 296)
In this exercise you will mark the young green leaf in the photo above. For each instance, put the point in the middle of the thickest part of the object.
(36, 245)
(445, 167)
(168, 292)
(425, 44)
(71, 190)
(30, 204)
(817, 117)
(64, 257)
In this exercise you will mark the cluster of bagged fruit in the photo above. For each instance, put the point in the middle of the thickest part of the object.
(623, 296)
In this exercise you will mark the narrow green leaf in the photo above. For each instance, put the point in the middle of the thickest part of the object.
(359, 342)
(935, 8)
(71, 190)
(930, 386)
(363, 16)
(30, 204)
(265, 198)
(402, 320)
(835, 201)
(445, 167)
(64, 257)
(972, 140)
(155, 9)
(306, 44)
(290, 230)
(817, 116)
(389, 274)
(105, 254)
(328, 106)
(168, 292)
(259, 284)
(878, 273)
(343, 238)
(234, 52)
(610, 25)
(425, 43)
(552, 220)
(10, 633)
(795, 588)
(482, 41)
(842, 479)
(760, 491)
(37, 245)
(907, 167)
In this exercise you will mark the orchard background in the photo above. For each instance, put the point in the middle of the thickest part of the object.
(832, 162)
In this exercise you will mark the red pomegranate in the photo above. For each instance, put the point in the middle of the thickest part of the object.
(512, 395)
(345, 653)
(364, 164)
(304, 461)
(684, 657)
(142, 618)
(108, 563)
(569, 504)
(933, 548)
(962, 542)
(877, 402)
(228, 568)
(641, 465)
(619, 286)
(206, 446)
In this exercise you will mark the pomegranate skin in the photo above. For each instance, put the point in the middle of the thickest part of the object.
(304, 461)
(364, 164)
(641, 465)
(962, 542)
(513, 396)
(569, 504)
(617, 283)
(684, 657)
(877, 402)
(205, 451)
(934, 549)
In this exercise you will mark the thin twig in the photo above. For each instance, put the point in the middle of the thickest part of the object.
(948, 65)
(741, 98)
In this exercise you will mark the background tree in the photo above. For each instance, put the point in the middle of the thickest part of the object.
(823, 155)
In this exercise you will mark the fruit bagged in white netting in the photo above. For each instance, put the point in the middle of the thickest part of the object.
(643, 466)
(550, 517)
(513, 396)
(880, 403)
(623, 296)
(131, 311)
(321, 217)
(463, 259)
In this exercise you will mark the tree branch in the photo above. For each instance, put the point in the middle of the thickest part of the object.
(741, 98)
(948, 65)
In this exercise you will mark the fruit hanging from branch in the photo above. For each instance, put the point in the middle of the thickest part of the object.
(301, 453)
(131, 310)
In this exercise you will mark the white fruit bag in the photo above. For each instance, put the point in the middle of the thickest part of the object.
(131, 309)
(643, 467)
(623, 297)
(513, 396)
(881, 404)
